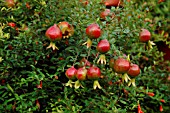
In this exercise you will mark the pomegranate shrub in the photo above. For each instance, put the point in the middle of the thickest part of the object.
(84, 56)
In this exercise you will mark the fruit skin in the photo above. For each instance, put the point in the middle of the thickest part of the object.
(112, 2)
(103, 46)
(71, 73)
(10, 3)
(93, 31)
(53, 33)
(121, 65)
(144, 35)
(93, 72)
(66, 29)
(134, 70)
(81, 74)
(104, 13)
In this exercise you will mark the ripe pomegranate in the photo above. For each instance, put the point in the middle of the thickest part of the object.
(11, 24)
(66, 29)
(134, 70)
(53, 33)
(121, 65)
(10, 3)
(93, 72)
(103, 46)
(71, 73)
(144, 35)
(112, 2)
(104, 14)
(81, 73)
(93, 31)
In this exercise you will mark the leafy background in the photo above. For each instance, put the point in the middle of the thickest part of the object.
(26, 61)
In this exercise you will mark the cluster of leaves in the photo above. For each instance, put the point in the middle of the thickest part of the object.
(33, 77)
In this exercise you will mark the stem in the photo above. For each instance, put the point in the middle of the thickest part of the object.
(75, 59)
(88, 54)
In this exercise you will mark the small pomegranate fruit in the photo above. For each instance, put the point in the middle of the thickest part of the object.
(93, 31)
(71, 75)
(10, 3)
(144, 35)
(81, 73)
(104, 14)
(94, 73)
(134, 70)
(81, 76)
(103, 47)
(11, 24)
(53, 33)
(112, 2)
(66, 29)
(121, 65)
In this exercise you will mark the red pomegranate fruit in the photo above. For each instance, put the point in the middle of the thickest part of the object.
(81, 74)
(71, 73)
(144, 35)
(134, 70)
(10, 3)
(112, 2)
(54, 33)
(103, 46)
(121, 65)
(104, 14)
(93, 72)
(93, 31)
(11, 24)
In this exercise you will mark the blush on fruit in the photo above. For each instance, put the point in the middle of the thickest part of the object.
(10, 3)
(121, 65)
(93, 72)
(144, 35)
(134, 70)
(93, 31)
(71, 73)
(112, 2)
(53, 33)
(81, 73)
(103, 46)
(105, 13)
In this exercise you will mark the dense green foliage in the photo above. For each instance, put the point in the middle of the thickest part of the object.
(25, 62)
